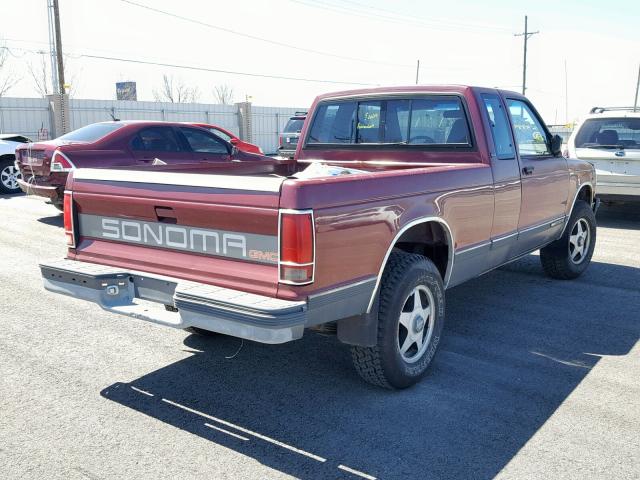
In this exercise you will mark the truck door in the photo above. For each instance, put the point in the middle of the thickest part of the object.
(506, 179)
(545, 178)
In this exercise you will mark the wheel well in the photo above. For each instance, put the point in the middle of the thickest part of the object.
(430, 239)
(586, 194)
(7, 156)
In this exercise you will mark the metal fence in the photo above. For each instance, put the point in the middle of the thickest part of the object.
(32, 116)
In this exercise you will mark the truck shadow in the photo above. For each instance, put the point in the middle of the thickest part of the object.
(516, 345)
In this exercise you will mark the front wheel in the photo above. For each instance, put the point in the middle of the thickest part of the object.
(9, 176)
(569, 256)
(410, 321)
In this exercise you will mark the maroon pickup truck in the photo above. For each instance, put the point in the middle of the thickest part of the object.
(395, 195)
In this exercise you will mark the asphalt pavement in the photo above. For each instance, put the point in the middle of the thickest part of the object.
(535, 378)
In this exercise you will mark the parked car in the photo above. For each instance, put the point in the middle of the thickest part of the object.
(46, 165)
(231, 138)
(609, 138)
(9, 173)
(363, 232)
(288, 139)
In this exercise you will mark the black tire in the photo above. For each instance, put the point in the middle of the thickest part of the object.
(564, 259)
(384, 364)
(8, 175)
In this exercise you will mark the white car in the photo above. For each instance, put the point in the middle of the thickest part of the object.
(9, 174)
(609, 138)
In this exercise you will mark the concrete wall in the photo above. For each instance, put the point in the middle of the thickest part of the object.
(32, 116)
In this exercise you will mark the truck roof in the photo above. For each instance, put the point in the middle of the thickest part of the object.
(458, 89)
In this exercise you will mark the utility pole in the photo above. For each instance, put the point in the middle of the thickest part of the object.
(58, 43)
(527, 34)
(418, 72)
(635, 102)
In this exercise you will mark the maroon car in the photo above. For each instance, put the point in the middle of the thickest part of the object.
(140, 144)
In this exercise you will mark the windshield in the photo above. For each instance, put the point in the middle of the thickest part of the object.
(91, 133)
(294, 125)
(609, 133)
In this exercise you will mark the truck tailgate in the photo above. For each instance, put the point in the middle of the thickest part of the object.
(214, 229)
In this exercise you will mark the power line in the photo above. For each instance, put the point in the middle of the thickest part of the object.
(261, 39)
(394, 17)
(215, 70)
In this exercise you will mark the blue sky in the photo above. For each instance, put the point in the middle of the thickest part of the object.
(456, 42)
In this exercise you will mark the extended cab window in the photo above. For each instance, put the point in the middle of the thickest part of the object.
(203, 142)
(156, 139)
(499, 127)
(531, 137)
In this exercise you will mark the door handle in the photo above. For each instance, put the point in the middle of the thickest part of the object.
(527, 170)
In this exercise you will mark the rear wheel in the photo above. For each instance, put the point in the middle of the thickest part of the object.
(569, 256)
(9, 176)
(410, 321)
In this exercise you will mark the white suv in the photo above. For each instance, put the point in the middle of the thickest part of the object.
(609, 138)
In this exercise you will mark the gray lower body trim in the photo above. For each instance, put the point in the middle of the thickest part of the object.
(232, 312)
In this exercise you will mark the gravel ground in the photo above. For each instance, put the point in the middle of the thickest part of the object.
(535, 378)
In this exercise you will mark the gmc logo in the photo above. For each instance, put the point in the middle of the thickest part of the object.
(173, 236)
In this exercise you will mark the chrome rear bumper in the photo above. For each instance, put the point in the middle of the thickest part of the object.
(181, 304)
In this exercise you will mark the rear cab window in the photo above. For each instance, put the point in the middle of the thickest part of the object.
(425, 121)
(609, 133)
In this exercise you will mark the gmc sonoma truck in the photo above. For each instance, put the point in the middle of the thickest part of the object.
(395, 194)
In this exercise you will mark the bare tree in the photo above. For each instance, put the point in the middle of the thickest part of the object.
(40, 76)
(7, 78)
(175, 91)
(40, 73)
(223, 94)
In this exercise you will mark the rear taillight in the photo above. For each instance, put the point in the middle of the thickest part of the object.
(68, 214)
(279, 140)
(297, 247)
(61, 163)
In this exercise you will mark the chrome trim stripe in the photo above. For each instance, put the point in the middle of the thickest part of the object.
(504, 237)
(462, 251)
(227, 182)
(417, 221)
(344, 287)
(545, 224)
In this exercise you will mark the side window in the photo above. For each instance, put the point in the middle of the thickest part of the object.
(203, 142)
(220, 134)
(334, 123)
(156, 139)
(530, 135)
(368, 127)
(438, 121)
(499, 127)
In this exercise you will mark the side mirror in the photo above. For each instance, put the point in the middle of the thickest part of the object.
(556, 145)
(234, 150)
